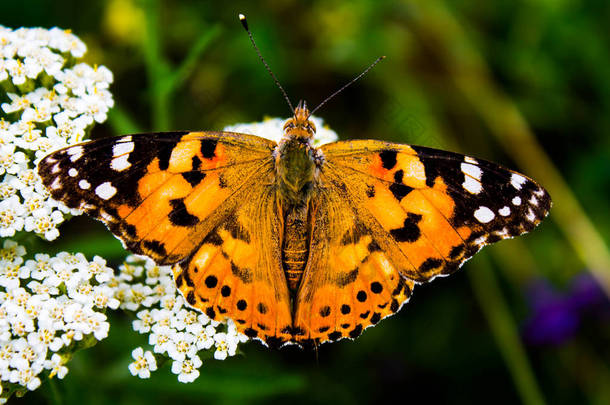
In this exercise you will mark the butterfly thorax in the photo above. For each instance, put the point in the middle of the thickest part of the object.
(296, 167)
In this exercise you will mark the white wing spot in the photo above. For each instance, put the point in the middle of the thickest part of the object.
(539, 192)
(120, 163)
(530, 215)
(122, 148)
(55, 169)
(105, 190)
(469, 159)
(471, 170)
(517, 181)
(502, 232)
(84, 184)
(56, 183)
(504, 211)
(72, 172)
(480, 241)
(534, 201)
(106, 216)
(484, 215)
(516, 201)
(75, 152)
(471, 185)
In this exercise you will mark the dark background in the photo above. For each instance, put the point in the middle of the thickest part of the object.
(523, 83)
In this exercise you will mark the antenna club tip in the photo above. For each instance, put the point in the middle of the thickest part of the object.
(243, 20)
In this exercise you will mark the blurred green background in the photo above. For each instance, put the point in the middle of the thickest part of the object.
(521, 82)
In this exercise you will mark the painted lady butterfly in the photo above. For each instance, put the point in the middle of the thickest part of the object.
(296, 244)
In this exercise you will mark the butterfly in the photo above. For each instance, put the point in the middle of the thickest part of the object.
(295, 244)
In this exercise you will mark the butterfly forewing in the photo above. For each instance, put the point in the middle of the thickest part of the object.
(439, 208)
(159, 193)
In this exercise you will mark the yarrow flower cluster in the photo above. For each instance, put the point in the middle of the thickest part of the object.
(49, 308)
(174, 330)
(48, 101)
(273, 129)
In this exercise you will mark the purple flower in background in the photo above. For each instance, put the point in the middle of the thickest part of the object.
(556, 315)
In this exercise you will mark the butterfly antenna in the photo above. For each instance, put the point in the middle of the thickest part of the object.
(244, 23)
(379, 59)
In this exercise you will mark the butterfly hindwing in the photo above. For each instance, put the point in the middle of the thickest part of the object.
(237, 271)
(159, 193)
(350, 282)
(439, 208)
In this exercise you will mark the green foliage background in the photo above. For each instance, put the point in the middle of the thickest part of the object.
(521, 82)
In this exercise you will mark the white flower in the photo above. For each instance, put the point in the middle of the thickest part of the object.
(17, 103)
(12, 252)
(11, 219)
(226, 345)
(144, 322)
(56, 365)
(26, 378)
(187, 369)
(182, 346)
(44, 223)
(10, 161)
(144, 363)
(43, 120)
(16, 70)
(161, 338)
(174, 329)
(103, 297)
(99, 269)
(204, 336)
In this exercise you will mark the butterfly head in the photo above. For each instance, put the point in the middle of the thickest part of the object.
(299, 125)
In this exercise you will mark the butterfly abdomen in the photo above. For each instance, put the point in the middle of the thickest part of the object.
(295, 247)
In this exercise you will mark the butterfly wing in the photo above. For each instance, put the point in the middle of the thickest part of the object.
(237, 272)
(202, 200)
(419, 212)
(350, 282)
(159, 193)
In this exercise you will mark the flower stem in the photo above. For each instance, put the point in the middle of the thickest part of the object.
(495, 310)
(164, 82)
